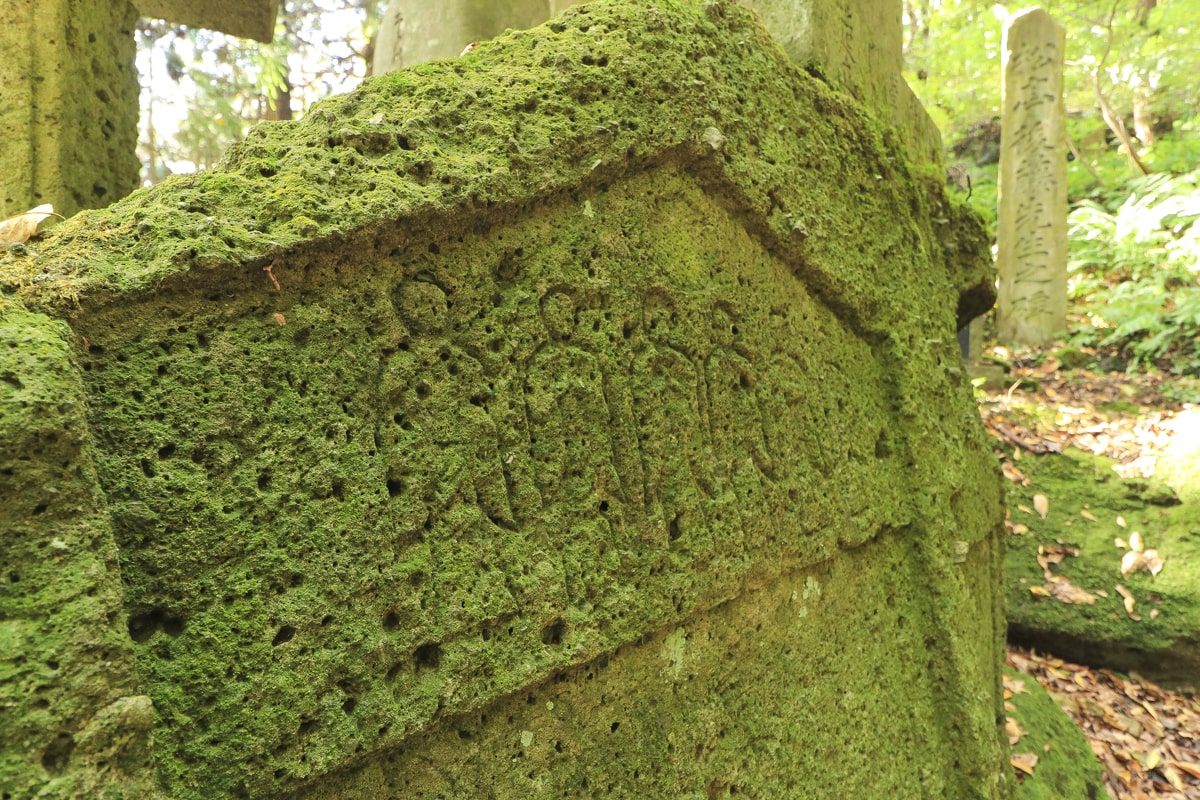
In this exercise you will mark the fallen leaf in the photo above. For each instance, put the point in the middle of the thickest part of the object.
(1129, 602)
(1013, 474)
(1015, 685)
(1014, 730)
(1138, 558)
(1045, 560)
(1066, 592)
(279, 318)
(1026, 509)
(1042, 504)
(1132, 561)
(1019, 529)
(1119, 542)
(1088, 515)
(1024, 762)
(1172, 777)
(1120, 521)
(19, 227)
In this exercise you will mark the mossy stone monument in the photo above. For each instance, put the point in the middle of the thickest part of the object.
(1031, 237)
(579, 417)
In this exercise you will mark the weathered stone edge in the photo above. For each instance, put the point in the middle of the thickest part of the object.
(521, 117)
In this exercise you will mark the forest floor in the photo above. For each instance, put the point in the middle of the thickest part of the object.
(1147, 738)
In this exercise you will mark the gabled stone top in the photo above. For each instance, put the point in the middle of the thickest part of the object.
(252, 19)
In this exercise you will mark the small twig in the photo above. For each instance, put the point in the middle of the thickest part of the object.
(271, 275)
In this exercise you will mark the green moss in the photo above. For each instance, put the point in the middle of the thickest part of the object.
(492, 368)
(1162, 647)
(732, 703)
(377, 440)
(1066, 768)
(66, 671)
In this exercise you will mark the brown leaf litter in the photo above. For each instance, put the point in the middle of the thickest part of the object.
(1146, 737)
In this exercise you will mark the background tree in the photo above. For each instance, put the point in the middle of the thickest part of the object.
(202, 90)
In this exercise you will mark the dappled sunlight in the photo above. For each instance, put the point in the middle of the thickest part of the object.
(1041, 407)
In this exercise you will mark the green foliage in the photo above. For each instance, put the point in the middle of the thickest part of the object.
(1136, 271)
(1179, 152)
(953, 64)
(1132, 54)
(983, 190)
(215, 86)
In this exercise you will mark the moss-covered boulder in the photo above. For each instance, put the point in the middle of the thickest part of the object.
(1141, 621)
(581, 416)
(1063, 766)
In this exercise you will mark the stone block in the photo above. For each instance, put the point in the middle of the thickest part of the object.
(67, 673)
(69, 116)
(582, 415)
(856, 47)
(252, 19)
(413, 32)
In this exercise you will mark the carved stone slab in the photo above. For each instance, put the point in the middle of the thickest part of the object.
(580, 415)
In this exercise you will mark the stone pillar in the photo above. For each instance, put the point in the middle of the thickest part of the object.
(858, 47)
(68, 118)
(252, 19)
(1032, 224)
(414, 31)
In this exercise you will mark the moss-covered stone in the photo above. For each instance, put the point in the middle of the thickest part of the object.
(708, 708)
(1066, 767)
(1163, 642)
(69, 120)
(73, 721)
(623, 329)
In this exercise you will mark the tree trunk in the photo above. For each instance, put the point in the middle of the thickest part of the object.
(1111, 118)
(280, 104)
(1143, 93)
(1143, 118)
